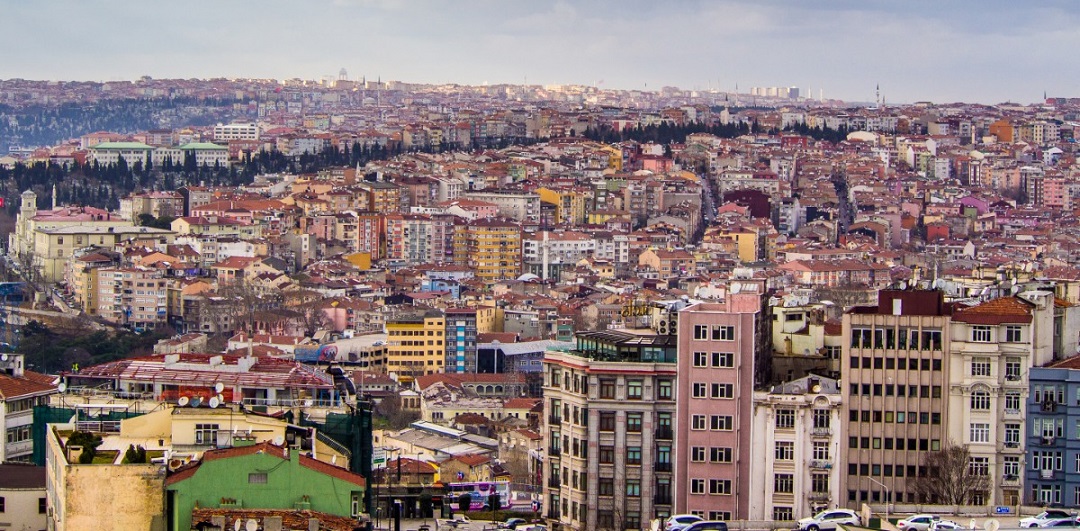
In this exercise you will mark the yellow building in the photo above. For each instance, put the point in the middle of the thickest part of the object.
(494, 249)
(416, 343)
(571, 204)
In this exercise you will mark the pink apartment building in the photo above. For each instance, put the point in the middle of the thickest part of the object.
(722, 357)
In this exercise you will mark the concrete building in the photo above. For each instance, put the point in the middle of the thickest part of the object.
(993, 347)
(20, 391)
(416, 343)
(235, 131)
(111, 153)
(520, 206)
(22, 489)
(796, 441)
(132, 297)
(609, 431)
(461, 340)
(894, 377)
(1050, 475)
(494, 249)
(723, 357)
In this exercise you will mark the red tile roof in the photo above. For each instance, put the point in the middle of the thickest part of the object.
(996, 311)
(269, 449)
(30, 384)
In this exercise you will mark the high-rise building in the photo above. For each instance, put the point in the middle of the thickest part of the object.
(461, 340)
(894, 380)
(494, 249)
(723, 349)
(416, 343)
(608, 430)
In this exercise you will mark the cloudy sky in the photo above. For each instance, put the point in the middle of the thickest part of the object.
(985, 51)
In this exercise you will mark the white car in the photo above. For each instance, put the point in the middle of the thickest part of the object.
(945, 525)
(1044, 517)
(828, 520)
(917, 522)
(681, 521)
(1061, 522)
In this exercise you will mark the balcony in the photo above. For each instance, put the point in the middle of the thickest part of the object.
(818, 496)
(553, 419)
(662, 467)
(1011, 444)
(554, 451)
(821, 432)
(554, 482)
(662, 499)
(1010, 480)
(664, 432)
(1047, 440)
(1046, 474)
(821, 464)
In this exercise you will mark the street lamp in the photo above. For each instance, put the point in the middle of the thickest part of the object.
(888, 495)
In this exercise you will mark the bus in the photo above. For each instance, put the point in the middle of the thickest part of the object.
(480, 490)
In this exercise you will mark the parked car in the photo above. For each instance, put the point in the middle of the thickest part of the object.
(917, 522)
(1045, 516)
(707, 525)
(680, 522)
(828, 520)
(1071, 521)
(945, 525)
(512, 523)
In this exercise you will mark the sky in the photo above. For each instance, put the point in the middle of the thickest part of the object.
(979, 51)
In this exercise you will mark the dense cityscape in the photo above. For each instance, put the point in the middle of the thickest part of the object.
(349, 303)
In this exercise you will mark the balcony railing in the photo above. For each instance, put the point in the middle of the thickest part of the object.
(822, 464)
(662, 467)
(554, 451)
(1010, 479)
(664, 432)
(662, 499)
(821, 432)
(554, 482)
(552, 419)
(818, 496)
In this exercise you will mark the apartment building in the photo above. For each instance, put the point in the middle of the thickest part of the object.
(723, 349)
(132, 297)
(1051, 474)
(416, 343)
(796, 439)
(894, 386)
(235, 131)
(494, 249)
(461, 340)
(993, 347)
(609, 431)
(20, 391)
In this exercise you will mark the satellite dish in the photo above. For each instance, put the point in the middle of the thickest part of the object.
(220, 398)
(237, 525)
(3, 357)
(279, 440)
(196, 402)
(735, 287)
(214, 402)
(219, 387)
(251, 525)
(991, 525)
(816, 389)
(309, 402)
(183, 401)
(62, 387)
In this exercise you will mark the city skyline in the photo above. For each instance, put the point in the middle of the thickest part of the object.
(915, 51)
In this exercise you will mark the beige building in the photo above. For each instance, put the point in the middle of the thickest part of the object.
(22, 487)
(132, 297)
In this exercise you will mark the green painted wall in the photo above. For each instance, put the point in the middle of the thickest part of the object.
(286, 483)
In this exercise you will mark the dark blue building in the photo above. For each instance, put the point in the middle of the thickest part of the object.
(1052, 472)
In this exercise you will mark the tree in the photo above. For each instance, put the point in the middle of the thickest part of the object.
(89, 443)
(950, 478)
(135, 454)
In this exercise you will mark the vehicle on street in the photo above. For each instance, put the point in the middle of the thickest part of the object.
(1045, 516)
(707, 525)
(680, 522)
(512, 523)
(917, 522)
(945, 525)
(1071, 521)
(828, 520)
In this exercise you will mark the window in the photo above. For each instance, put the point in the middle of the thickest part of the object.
(607, 455)
(980, 366)
(819, 482)
(1012, 402)
(979, 466)
(633, 389)
(719, 515)
(1012, 435)
(723, 333)
(1012, 333)
(699, 390)
(980, 333)
(782, 514)
(697, 454)
(206, 434)
(1012, 368)
(606, 486)
(723, 360)
(633, 455)
(701, 359)
(785, 450)
(697, 422)
(979, 432)
(719, 455)
(980, 401)
(785, 418)
(697, 486)
(1011, 466)
(257, 478)
(719, 486)
(663, 389)
(784, 483)
(822, 418)
(821, 451)
(607, 421)
(723, 390)
(701, 332)
(607, 389)
(633, 520)
(633, 422)
(720, 423)
(633, 487)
